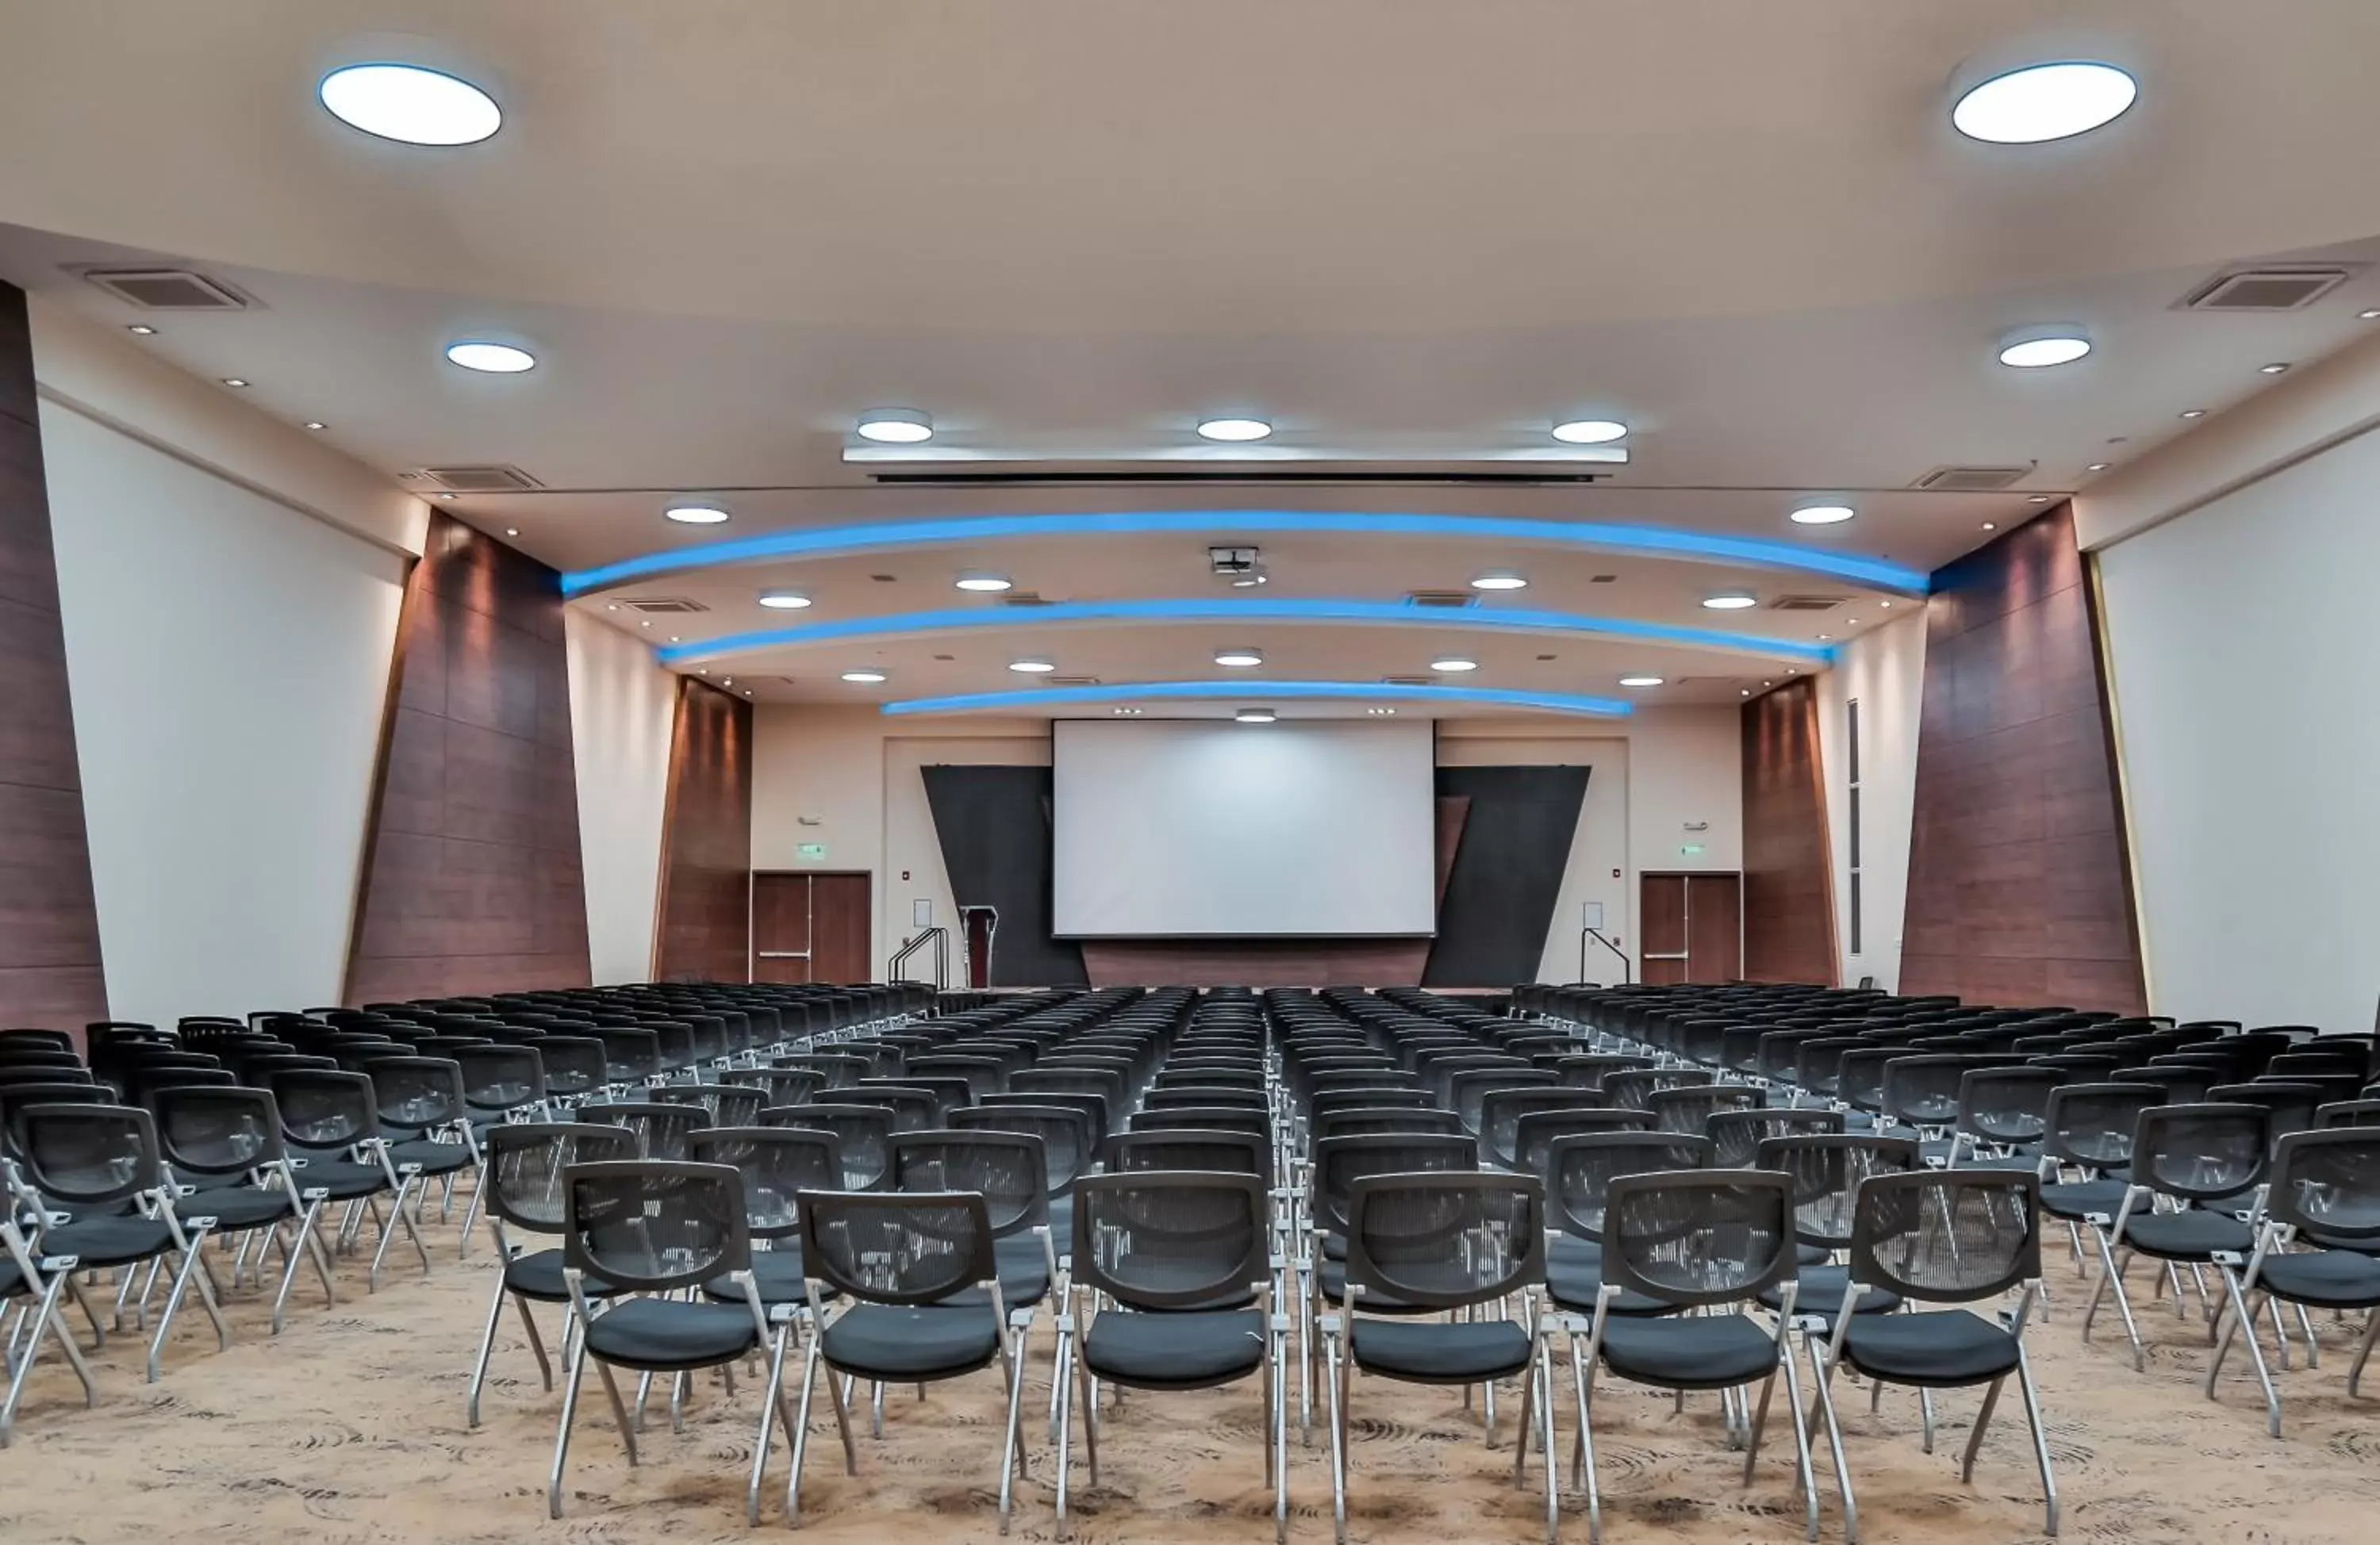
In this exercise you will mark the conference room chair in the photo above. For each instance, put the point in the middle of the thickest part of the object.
(1501, 1111)
(2348, 1113)
(2191, 1168)
(1361, 1120)
(898, 1260)
(227, 1144)
(1736, 1135)
(1827, 1170)
(426, 1117)
(777, 1164)
(779, 1086)
(2089, 1128)
(1007, 1170)
(649, 1229)
(1691, 1108)
(1181, 1298)
(1218, 1118)
(727, 1104)
(1580, 1170)
(577, 1069)
(1951, 1238)
(661, 1128)
(1425, 1245)
(863, 1135)
(1069, 1150)
(330, 1124)
(31, 1283)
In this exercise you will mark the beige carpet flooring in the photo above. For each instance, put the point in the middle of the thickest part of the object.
(348, 1429)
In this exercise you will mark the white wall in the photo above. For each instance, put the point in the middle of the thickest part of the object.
(2246, 676)
(228, 661)
(622, 708)
(1884, 671)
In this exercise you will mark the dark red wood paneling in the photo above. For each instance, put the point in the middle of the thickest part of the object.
(472, 881)
(50, 972)
(1789, 912)
(2020, 888)
(705, 915)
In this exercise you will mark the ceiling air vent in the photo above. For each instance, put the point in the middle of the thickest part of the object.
(1972, 479)
(167, 289)
(1806, 603)
(1070, 681)
(1408, 681)
(663, 606)
(2266, 289)
(1445, 599)
(1602, 579)
(481, 479)
(1024, 597)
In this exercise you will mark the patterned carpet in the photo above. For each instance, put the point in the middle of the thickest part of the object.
(348, 1429)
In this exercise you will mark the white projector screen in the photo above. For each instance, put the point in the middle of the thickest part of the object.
(1186, 828)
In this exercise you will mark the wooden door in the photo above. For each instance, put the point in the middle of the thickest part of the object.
(842, 915)
(780, 928)
(1661, 923)
(1690, 926)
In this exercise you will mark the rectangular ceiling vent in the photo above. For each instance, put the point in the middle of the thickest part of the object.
(1409, 680)
(1806, 603)
(1024, 597)
(663, 606)
(481, 479)
(1972, 479)
(1445, 599)
(1070, 681)
(167, 289)
(2286, 288)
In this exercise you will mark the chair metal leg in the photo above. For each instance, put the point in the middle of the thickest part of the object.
(2242, 1319)
(1277, 1434)
(2313, 1343)
(1926, 1417)
(561, 1433)
(619, 1410)
(802, 1425)
(1065, 1396)
(2363, 1352)
(290, 1252)
(1090, 1390)
(487, 1350)
(2040, 1440)
(1336, 1392)
(1823, 1372)
(2280, 1329)
(837, 1397)
(43, 1318)
(1009, 1450)
(772, 1401)
(183, 1276)
(1544, 1374)
(1759, 1424)
(1975, 1436)
(2113, 1277)
(1802, 1470)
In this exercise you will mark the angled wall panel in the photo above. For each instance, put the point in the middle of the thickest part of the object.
(1789, 932)
(705, 915)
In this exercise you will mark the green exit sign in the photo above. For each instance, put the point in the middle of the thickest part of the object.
(1691, 850)
(817, 850)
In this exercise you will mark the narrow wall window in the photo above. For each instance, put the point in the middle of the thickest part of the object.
(1852, 758)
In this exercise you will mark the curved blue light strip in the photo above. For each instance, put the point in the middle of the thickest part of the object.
(1264, 693)
(1245, 609)
(1651, 540)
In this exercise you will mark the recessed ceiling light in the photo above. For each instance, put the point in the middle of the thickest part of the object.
(696, 515)
(1764, 683)
(1234, 432)
(494, 359)
(729, 680)
(1251, 579)
(2057, 346)
(1730, 600)
(1128, 713)
(410, 103)
(895, 426)
(984, 582)
(1822, 514)
(1850, 621)
(1032, 667)
(611, 606)
(1590, 431)
(1382, 713)
(1254, 716)
(863, 676)
(784, 600)
(511, 530)
(1825, 636)
(2098, 466)
(673, 638)
(704, 671)
(1989, 526)
(2274, 369)
(447, 496)
(1454, 665)
(1239, 659)
(1887, 605)
(2038, 498)
(316, 424)
(2041, 102)
(1640, 681)
(233, 381)
(2193, 413)
(1747, 692)
(2372, 315)
(646, 622)
(141, 329)
(1499, 579)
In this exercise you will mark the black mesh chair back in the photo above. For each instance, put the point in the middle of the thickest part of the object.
(415, 1094)
(777, 1164)
(1500, 1110)
(87, 1155)
(1214, 1153)
(1204, 1118)
(1923, 1090)
(1370, 1097)
(1467, 1092)
(1440, 1241)
(1040, 1080)
(2326, 1185)
(1203, 1095)
(1826, 1170)
(1736, 1135)
(1690, 1109)
(142, 1084)
(1588, 1070)
(576, 1066)
(1095, 1110)
(727, 1104)
(630, 1056)
(673, 1043)
(1581, 1170)
(779, 1086)
(1713, 1237)
(2202, 1152)
(13, 1041)
(661, 1130)
(982, 1075)
(2348, 1113)
(2291, 1105)
(1067, 1148)
(498, 1080)
(2091, 1124)
(14, 1099)
(1340, 1162)
(2007, 1105)
(1947, 1236)
(1534, 1133)
(1634, 1089)
(653, 1225)
(1004, 1169)
(913, 1110)
(217, 1133)
(521, 1167)
(1366, 1121)
(1170, 1240)
(841, 1070)
(864, 1134)
(903, 1248)
(324, 1113)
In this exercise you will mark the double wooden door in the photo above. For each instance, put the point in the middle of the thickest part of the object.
(1690, 926)
(812, 926)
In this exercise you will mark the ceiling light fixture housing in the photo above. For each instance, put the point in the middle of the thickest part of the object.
(1499, 579)
(2056, 100)
(986, 584)
(1234, 432)
(865, 676)
(1640, 681)
(1032, 667)
(1255, 716)
(784, 600)
(1730, 600)
(696, 515)
(1241, 659)
(2036, 348)
(488, 358)
(1453, 665)
(1590, 431)
(1822, 514)
(410, 103)
(895, 426)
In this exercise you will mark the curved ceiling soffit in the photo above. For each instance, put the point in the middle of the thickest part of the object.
(1266, 693)
(1647, 541)
(1280, 610)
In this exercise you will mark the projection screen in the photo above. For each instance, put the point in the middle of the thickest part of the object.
(1191, 827)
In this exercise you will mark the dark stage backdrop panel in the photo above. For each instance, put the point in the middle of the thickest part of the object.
(50, 973)
(472, 880)
(1788, 910)
(705, 927)
(992, 824)
(1500, 893)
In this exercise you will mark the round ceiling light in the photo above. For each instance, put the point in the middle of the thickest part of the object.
(2041, 102)
(1590, 431)
(1239, 659)
(1640, 681)
(1255, 716)
(410, 103)
(895, 426)
(1234, 432)
(1499, 579)
(1730, 600)
(863, 676)
(696, 515)
(494, 359)
(1454, 665)
(2037, 350)
(784, 600)
(984, 584)
(1032, 667)
(1822, 514)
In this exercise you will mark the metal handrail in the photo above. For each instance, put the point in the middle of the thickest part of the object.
(941, 938)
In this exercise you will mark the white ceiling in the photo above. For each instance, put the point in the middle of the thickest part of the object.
(725, 229)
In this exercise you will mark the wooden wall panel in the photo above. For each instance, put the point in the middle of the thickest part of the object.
(472, 880)
(2020, 888)
(705, 916)
(50, 972)
(1789, 912)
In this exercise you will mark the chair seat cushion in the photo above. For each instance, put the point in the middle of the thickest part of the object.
(879, 1341)
(1812, 1255)
(1701, 1352)
(344, 1179)
(108, 1241)
(1061, 1222)
(2328, 1279)
(1937, 1349)
(238, 1207)
(1575, 1287)
(538, 1276)
(12, 1281)
(667, 1335)
(435, 1158)
(2194, 1235)
(1333, 1274)
(2025, 1159)
(777, 1274)
(1174, 1351)
(1570, 1249)
(1437, 1352)
(1024, 1276)
(1822, 1291)
(2079, 1198)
